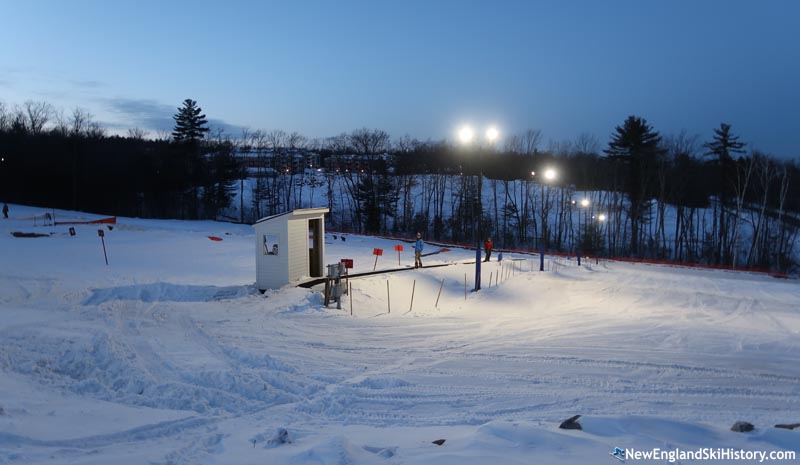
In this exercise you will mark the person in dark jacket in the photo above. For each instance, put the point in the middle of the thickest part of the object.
(418, 246)
(487, 246)
(5, 210)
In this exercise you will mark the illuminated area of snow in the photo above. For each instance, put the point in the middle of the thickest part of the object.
(170, 355)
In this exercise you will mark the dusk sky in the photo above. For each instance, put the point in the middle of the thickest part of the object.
(421, 68)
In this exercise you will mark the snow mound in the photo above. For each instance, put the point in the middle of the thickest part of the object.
(339, 450)
(166, 292)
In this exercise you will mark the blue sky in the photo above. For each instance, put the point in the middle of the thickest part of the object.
(421, 68)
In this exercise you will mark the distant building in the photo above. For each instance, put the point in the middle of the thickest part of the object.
(270, 163)
(353, 163)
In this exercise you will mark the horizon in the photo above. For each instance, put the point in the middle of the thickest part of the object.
(415, 69)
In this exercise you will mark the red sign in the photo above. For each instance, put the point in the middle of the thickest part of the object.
(348, 262)
(377, 252)
(398, 248)
(101, 233)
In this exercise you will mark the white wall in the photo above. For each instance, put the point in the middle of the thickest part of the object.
(298, 248)
(272, 270)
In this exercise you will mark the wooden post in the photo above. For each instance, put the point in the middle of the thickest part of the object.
(413, 288)
(350, 293)
(490, 279)
(388, 297)
(440, 293)
(465, 286)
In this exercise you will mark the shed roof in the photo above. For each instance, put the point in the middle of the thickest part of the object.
(298, 214)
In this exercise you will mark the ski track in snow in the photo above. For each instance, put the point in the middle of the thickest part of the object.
(605, 341)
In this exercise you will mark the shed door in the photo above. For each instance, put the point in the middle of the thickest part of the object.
(315, 248)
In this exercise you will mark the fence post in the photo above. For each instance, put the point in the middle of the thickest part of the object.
(350, 293)
(440, 294)
(388, 297)
(413, 288)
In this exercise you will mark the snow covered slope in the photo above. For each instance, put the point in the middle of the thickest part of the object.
(170, 355)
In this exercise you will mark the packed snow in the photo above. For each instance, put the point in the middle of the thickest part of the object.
(170, 355)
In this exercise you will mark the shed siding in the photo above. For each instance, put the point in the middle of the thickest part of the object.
(298, 245)
(271, 270)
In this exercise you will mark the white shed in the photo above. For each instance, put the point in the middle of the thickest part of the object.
(290, 246)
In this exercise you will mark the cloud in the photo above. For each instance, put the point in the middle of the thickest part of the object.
(88, 84)
(152, 115)
(232, 130)
(142, 113)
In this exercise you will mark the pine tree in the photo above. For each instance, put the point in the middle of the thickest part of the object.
(637, 147)
(720, 149)
(190, 129)
(190, 123)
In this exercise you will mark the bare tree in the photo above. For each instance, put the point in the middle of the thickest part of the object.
(338, 144)
(5, 117)
(79, 122)
(37, 114)
(137, 133)
(163, 135)
(531, 140)
(295, 140)
(406, 144)
(276, 139)
(513, 144)
(370, 142)
(586, 143)
(95, 131)
(61, 123)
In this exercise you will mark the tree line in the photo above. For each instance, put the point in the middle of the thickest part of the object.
(672, 197)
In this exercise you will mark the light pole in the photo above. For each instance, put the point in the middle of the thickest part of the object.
(581, 232)
(602, 218)
(466, 136)
(549, 175)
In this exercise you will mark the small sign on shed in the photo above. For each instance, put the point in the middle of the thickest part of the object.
(290, 246)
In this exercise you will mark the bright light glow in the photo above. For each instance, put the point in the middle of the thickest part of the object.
(533, 173)
(550, 174)
(602, 217)
(585, 203)
(466, 134)
(492, 134)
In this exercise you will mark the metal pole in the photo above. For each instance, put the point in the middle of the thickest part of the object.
(478, 267)
(541, 257)
(465, 286)
(350, 293)
(388, 297)
(413, 288)
(490, 279)
(102, 239)
(440, 293)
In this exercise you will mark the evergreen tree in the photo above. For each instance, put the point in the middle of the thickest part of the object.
(637, 147)
(190, 123)
(724, 144)
(720, 150)
(190, 129)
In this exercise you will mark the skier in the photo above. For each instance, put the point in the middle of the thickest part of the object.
(487, 246)
(418, 246)
(5, 210)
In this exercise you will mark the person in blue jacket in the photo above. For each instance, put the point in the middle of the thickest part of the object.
(418, 246)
